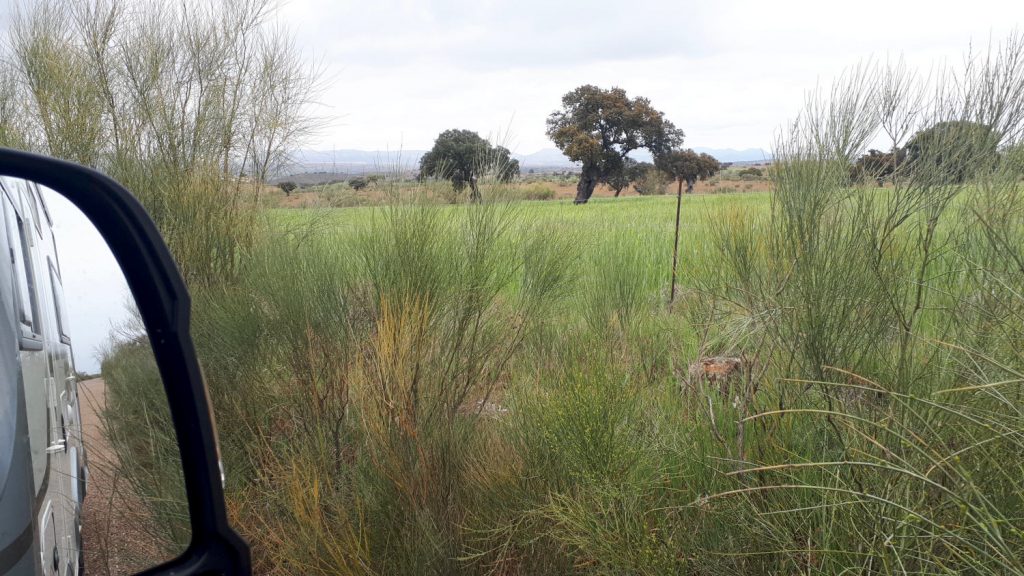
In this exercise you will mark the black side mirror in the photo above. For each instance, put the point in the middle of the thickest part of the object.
(163, 304)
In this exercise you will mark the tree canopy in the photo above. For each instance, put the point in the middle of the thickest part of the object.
(1014, 158)
(599, 128)
(877, 165)
(949, 152)
(952, 151)
(687, 166)
(462, 157)
(629, 173)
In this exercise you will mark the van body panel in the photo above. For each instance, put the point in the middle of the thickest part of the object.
(42, 463)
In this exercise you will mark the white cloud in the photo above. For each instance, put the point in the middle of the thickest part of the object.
(729, 73)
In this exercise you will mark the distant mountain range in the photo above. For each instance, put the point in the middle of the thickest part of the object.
(362, 161)
(748, 155)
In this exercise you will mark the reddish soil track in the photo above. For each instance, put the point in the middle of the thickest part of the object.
(115, 526)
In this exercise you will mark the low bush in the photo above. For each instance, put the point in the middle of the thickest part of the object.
(536, 192)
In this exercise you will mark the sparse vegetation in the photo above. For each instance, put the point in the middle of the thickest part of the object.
(536, 192)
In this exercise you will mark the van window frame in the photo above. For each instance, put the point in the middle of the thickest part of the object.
(33, 206)
(42, 203)
(31, 333)
(60, 310)
(53, 247)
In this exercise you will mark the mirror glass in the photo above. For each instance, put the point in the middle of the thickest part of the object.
(104, 492)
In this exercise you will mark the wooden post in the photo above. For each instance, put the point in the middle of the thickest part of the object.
(675, 244)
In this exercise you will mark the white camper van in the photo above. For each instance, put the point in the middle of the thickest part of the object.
(43, 468)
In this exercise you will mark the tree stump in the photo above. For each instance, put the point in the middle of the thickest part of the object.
(718, 371)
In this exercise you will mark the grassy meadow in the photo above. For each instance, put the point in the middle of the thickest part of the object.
(502, 388)
(557, 185)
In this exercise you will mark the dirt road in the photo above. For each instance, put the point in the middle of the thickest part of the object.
(115, 527)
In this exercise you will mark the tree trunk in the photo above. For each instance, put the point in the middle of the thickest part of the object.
(474, 190)
(675, 245)
(585, 188)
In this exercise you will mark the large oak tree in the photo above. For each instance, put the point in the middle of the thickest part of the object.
(599, 128)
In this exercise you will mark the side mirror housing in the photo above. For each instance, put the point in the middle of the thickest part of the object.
(163, 304)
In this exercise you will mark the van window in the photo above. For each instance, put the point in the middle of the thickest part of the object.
(26, 256)
(58, 303)
(33, 202)
(43, 205)
(53, 250)
(21, 260)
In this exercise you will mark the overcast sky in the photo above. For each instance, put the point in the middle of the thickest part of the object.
(727, 72)
(95, 291)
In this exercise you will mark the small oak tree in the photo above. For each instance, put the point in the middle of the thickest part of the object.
(462, 157)
(358, 183)
(877, 165)
(687, 166)
(684, 166)
(630, 172)
(648, 179)
(287, 187)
